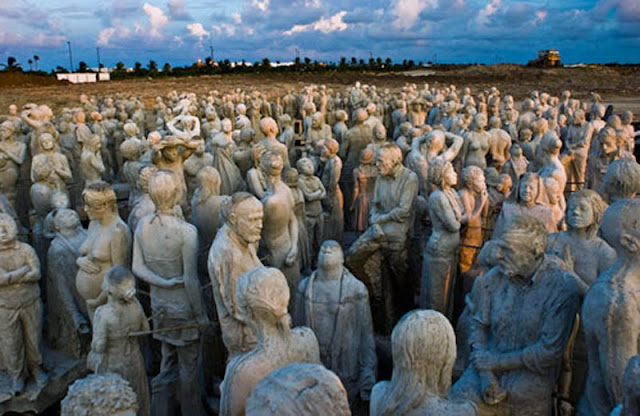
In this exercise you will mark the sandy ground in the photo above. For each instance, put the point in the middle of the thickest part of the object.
(619, 86)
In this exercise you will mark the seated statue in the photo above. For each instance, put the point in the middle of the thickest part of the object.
(423, 347)
(523, 315)
(262, 296)
(298, 389)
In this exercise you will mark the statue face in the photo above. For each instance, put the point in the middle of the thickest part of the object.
(170, 153)
(5, 131)
(449, 176)
(96, 211)
(609, 144)
(330, 256)
(517, 257)
(579, 213)
(384, 164)
(479, 184)
(275, 165)
(306, 167)
(7, 233)
(528, 190)
(247, 221)
(47, 142)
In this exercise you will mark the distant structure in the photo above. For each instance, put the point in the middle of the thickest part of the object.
(83, 77)
(548, 58)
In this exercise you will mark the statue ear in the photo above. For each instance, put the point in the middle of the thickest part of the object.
(630, 243)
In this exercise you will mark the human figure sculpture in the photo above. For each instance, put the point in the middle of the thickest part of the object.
(108, 244)
(206, 205)
(334, 201)
(12, 155)
(145, 205)
(68, 326)
(551, 166)
(20, 309)
(578, 142)
(291, 179)
(184, 126)
(607, 150)
(298, 389)
(234, 252)
(317, 134)
(622, 180)
(340, 127)
(517, 164)
(499, 144)
(165, 255)
(222, 146)
(423, 347)
(280, 231)
(335, 305)
(364, 180)
(49, 171)
(528, 198)
(198, 160)
(439, 259)
(476, 144)
(356, 139)
(630, 382)
(115, 348)
(475, 203)
(519, 306)
(91, 164)
(383, 246)
(167, 155)
(262, 296)
(100, 395)
(610, 314)
(269, 128)
(130, 151)
(314, 192)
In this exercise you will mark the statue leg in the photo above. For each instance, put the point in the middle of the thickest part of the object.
(12, 346)
(190, 392)
(31, 322)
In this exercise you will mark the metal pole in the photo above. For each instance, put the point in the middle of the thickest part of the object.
(70, 57)
(98, 50)
(211, 52)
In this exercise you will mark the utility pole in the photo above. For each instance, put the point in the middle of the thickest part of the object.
(98, 50)
(70, 57)
(211, 53)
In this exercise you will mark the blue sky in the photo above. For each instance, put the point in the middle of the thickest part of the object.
(181, 31)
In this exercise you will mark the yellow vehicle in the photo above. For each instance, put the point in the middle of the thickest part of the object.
(549, 58)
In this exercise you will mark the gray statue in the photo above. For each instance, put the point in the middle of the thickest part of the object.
(335, 305)
(100, 395)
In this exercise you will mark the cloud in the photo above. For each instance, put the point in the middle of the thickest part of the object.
(261, 5)
(115, 33)
(39, 40)
(334, 23)
(237, 18)
(489, 10)
(541, 16)
(157, 20)
(407, 12)
(224, 28)
(178, 10)
(197, 30)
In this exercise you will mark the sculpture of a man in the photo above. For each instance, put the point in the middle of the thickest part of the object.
(232, 253)
(165, 255)
(524, 310)
(20, 308)
(335, 305)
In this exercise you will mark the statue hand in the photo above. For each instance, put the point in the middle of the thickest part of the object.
(174, 282)
(291, 256)
(88, 266)
(568, 259)
(484, 360)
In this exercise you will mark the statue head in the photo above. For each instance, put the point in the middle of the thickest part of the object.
(330, 255)
(550, 144)
(301, 389)
(442, 174)
(522, 246)
(531, 190)
(144, 174)
(584, 211)
(473, 179)
(317, 120)
(423, 347)
(388, 159)
(621, 227)
(120, 284)
(262, 296)
(342, 116)
(291, 178)
(47, 142)
(79, 117)
(209, 180)
(379, 132)
(99, 200)
(330, 148)
(226, 125)
(131, 129)
(66, 220)
(7, 129)
(361, 115)
(271, 163)
(243, 213)
(480, 121)
(622, 180)
(269, 127)
(165, 191)
(100, 395)
(8, 231)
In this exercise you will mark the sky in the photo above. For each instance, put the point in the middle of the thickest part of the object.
(444, 31)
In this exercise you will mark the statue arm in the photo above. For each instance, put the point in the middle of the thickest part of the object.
(121, 246)
(19, 157)
(30, 271)
(141, 270)
(62, 168)
(190, 272)
(454, 148)
(299, 311)
(444, 212)
(367, 351)
(293, 232)
(99, 341)
(407, 195)
(356, 190)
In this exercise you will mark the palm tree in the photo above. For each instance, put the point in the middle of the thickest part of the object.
(12, 64)
(36, 58)
(30, 65)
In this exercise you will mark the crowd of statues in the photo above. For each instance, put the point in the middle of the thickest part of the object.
(311, 252)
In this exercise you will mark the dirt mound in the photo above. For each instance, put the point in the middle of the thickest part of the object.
(21, 79)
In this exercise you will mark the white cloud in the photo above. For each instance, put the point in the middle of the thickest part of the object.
(541, 16)
(117, 32)
(262, 5)
(178, 10)
(313, 4)
(157, 20)
(489, 10)
(334, 23)
(237, 18)
(224, 28)
(197, 30)
(407, 12)
(39, 40)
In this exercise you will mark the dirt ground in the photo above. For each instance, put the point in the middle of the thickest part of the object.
(618, 85)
